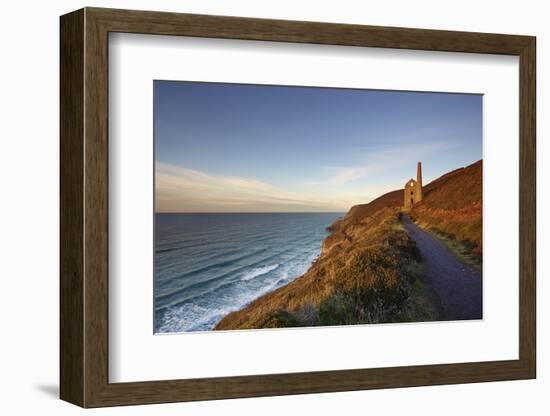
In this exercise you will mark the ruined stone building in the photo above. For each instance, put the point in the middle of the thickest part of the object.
(413, 189)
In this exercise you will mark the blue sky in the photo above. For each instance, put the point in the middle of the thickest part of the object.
(253, 148)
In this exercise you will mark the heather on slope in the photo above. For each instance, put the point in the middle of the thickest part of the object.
(452, 209)
(372, 277)
(370, 270)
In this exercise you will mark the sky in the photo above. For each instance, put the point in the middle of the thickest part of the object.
(255, 148)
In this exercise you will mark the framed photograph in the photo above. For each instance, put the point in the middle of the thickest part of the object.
(255, 207)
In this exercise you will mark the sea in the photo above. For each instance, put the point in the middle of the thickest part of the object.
(208, 265)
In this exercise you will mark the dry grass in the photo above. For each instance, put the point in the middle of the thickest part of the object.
(371, 280)
(452, 207)
(369, 269)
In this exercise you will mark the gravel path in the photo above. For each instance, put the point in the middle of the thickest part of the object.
(457, 286)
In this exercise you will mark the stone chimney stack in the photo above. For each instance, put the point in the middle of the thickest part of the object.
(419, 173)
(412, 192)
(419, 182)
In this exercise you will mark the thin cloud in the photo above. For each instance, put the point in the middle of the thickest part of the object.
(180, 189)
(186, 190)
(380, 162)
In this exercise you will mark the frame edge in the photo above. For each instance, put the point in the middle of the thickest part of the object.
(84, 189)
(528, 208)
(71, 290)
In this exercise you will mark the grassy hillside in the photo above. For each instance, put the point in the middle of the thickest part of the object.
(452, 211)
(369, 269)
(358, 219)
(371, 276)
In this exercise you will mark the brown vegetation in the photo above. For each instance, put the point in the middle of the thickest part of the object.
(369, 268)
(452, 208)
(368, 277)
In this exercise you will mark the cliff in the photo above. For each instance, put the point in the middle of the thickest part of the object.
(358, 218)
(369, 268)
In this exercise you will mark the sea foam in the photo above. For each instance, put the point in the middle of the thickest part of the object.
(195, 288)
(259, 271)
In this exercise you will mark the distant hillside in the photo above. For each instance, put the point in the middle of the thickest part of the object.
(345, 230)
(452, 204)
(369, 267)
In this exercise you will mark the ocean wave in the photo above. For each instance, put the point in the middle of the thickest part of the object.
(259, 271)
(205, 311)
(215, 282)
(191, 317)
(195, 289)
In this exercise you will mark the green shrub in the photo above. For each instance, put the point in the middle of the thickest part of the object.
(280, 319)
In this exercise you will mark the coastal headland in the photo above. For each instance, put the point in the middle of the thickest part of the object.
(381, 264)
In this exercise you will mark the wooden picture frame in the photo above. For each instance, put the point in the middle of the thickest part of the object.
(84, 207)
